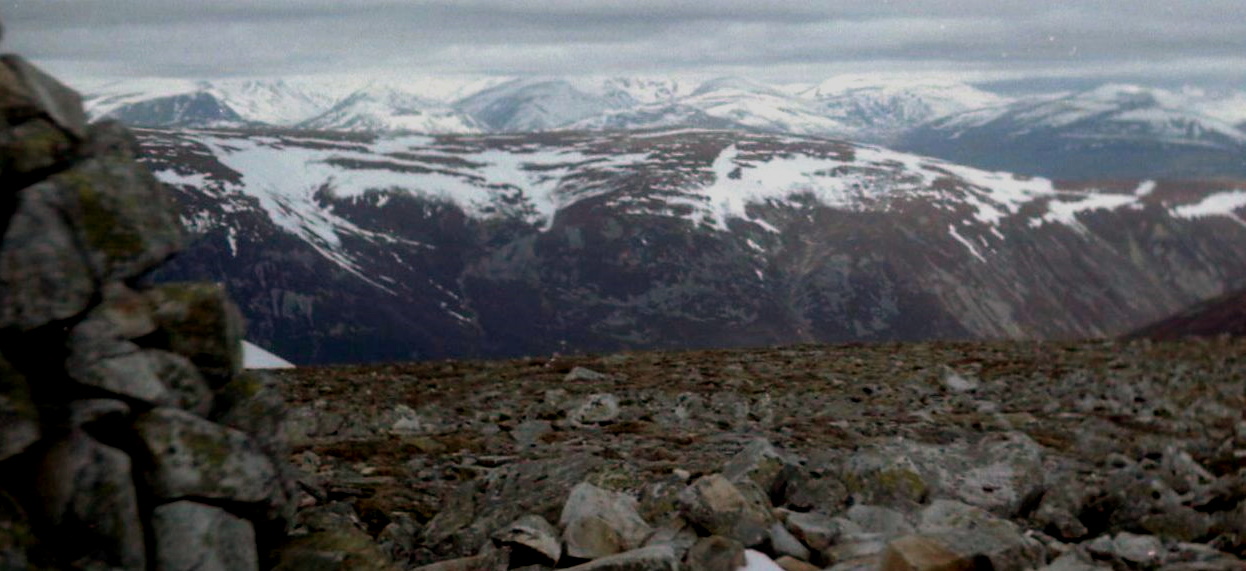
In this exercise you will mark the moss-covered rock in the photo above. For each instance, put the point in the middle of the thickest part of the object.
(199, 321)
(125, 219)
(34, 146)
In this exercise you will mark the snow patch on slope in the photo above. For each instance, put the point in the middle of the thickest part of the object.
(254, 357)
(1219, 204)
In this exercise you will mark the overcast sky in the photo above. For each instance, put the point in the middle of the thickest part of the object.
(1017, 41)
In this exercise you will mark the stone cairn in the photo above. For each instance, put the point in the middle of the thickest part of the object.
(130, 437)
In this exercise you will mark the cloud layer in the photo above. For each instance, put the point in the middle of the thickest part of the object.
(780, 40)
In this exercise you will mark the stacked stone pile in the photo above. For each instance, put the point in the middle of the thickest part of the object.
(130, 437)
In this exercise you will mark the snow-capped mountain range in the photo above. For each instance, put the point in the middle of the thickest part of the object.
(1145, 132)
(354, 246)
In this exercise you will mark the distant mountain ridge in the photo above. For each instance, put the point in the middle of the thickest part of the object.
(1112, 131)
(359, 247)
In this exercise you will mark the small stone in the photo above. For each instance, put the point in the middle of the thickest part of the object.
(789, 563)
(598, 522)
(598, 408)
(999, 548)
(782, 542)
(718, 506)
(816, 530)
(916, 553)
(191, 457)
(337, 550)
(585, 374)
(195, 537)
(759, 462)
(876, 519)
(528, 433)
(406, 421)
(534, 534)
(757, 561)
(1128, 548)
(958, 383)
(716, 553)
(1074, 561)
(653, 558)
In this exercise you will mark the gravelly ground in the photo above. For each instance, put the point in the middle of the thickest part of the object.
(400, 437)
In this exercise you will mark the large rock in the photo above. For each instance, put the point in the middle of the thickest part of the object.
(125, 221)
(997, 548)
(87, 505)
(716, 505)
(187, 456)
(194, 537)
(598, 522)
(44, 277)
(481, 507)
(199, 321)
(26, 92)
(759, 462)
(1000, 472)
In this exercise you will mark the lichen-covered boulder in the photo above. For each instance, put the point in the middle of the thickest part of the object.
(123, 218)
(187, 456)
(194, 537)
(599, 522)
(716, 505)
(1000, 472)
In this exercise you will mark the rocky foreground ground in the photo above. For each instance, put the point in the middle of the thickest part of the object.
(1005, 455)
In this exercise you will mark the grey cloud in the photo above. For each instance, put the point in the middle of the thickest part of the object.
(195, 38)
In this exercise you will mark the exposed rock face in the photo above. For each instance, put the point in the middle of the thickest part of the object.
(129, 437)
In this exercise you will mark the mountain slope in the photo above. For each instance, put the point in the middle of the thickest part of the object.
(1113, 131)
(386, 109)
(527, 105)
(879, 110)
(1221, 315)
(353, 247)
